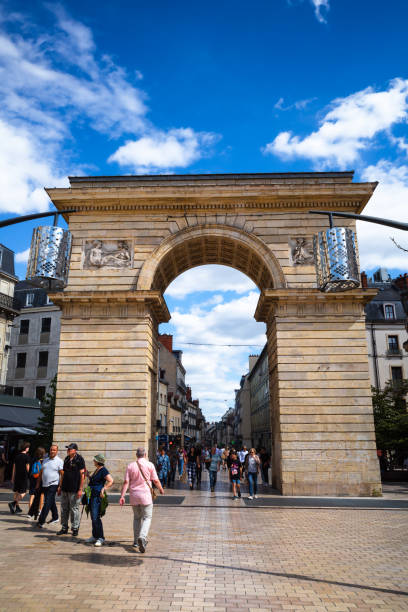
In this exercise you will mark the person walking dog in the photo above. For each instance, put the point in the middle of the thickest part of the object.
(138, 479)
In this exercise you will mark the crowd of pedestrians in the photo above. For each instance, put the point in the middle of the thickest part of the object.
(242, 466)
(46, 476)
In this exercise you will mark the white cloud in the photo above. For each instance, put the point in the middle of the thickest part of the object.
(160, 151)
(209, 278)
(22, 257)
(319, 6)
(390, 200)
(214, 372)
(60, 81)
(23, 171)
(348, 127)
(298, 105)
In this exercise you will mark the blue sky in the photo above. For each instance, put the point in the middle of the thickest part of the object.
(160, 87)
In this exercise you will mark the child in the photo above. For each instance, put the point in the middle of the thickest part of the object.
(235, 470)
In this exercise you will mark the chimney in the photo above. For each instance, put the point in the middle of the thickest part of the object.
(364, 283)
(402, 282)
(252, 361)
(167, 341)
(196, 403)
(188, 394)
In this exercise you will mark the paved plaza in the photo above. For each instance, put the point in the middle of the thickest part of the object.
(211, 553)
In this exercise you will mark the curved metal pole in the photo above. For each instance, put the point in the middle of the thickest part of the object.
(15, 220)
(378, 220)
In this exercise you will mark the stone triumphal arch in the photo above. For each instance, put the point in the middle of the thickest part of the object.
(133, 235)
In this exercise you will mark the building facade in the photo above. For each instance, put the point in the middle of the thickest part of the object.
(386, 331)
(8, 311)
(34, 341)
(258, 378)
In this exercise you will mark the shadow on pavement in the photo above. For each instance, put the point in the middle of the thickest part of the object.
(251, 570)
(99, 558)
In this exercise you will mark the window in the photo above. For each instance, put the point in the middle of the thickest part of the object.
(21, 360)
(18, 391)
(396, 374)
(48, 301)
(40, 393)
(24, 328)
(20, 365)
(29, 299)
(45, 330)
(46, 325)
(42, 364)
(393, 347)
(389, 312)
(42, 359)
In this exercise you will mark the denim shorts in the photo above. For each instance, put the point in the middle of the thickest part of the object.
(235, 480)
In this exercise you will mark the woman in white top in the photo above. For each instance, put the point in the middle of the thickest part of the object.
(252, 464)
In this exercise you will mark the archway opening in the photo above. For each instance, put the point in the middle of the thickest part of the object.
(222, 353)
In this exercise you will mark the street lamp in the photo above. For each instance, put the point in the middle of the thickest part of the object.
(335, 252)
(50, 252)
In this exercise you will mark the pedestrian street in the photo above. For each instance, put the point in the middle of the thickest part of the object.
(208, 552)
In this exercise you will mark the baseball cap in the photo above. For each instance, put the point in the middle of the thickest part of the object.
(71, 446)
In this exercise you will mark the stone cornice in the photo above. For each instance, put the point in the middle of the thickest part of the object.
(301, 303)
(215, 197)
(107, 304)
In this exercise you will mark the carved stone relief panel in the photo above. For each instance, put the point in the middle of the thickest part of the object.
(99, 254)
(300, 251)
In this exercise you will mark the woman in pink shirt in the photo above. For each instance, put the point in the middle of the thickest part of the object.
(139, 478)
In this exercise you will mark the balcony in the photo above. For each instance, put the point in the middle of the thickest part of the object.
(181, 384)
(394, 352)
(6, 304)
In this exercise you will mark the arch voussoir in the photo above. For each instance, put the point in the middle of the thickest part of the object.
(265, 264)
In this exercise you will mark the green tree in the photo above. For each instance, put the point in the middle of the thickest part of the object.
(391, 416)
(45, 425)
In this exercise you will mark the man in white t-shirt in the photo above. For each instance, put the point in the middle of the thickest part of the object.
(50, 480)
(242, 454)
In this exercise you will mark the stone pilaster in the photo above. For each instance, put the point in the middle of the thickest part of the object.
(107, 373)
(321, 410)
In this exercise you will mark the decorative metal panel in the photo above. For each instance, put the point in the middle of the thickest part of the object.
(48, 263)
(336, 260)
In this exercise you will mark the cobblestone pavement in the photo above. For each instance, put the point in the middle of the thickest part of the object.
(212, 553)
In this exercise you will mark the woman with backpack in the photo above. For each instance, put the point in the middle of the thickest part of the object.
(35, 504)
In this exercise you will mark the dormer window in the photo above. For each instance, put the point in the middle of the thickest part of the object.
(29, 299)
(389, 311)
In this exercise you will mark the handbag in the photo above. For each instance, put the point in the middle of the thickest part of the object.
(152, 491)
(86, 496)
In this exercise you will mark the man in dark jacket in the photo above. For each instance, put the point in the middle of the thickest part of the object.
(73, 475)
